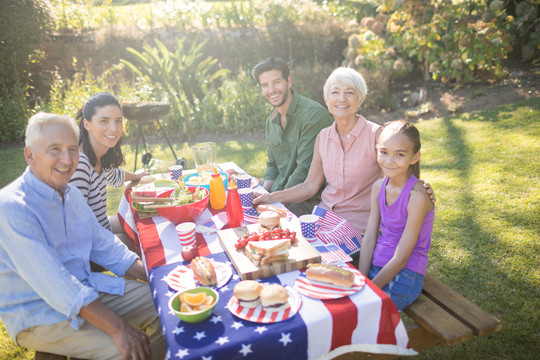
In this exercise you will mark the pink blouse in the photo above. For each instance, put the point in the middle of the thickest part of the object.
(350, 173)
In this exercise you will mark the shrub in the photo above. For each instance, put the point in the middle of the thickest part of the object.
(185, 75)
(24, 24)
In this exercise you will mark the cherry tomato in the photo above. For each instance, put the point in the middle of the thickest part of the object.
(292, 236)
(255, 236)
(276, 230)
(286, 232)
(266, 234)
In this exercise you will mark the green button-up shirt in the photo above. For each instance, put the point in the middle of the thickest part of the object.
(290, 150)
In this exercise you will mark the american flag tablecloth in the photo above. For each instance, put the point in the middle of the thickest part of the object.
(366, 321)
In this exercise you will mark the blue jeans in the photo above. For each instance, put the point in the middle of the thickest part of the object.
(403, 289)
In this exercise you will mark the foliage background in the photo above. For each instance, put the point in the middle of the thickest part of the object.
(387, 40)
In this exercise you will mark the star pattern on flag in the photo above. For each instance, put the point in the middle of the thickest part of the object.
(178, 330)
(285, 339)
(237, 325)
(222, 340)
(215, 319)
(171, 312)
(155, 293)
(164, 279)
(170, 293)
(150, 277)
(159, 309)
(168, 355)
(163, 330)
(206, 358)
(246, 349)
(182, 353)
(200, 335)
(261, 329)
(236, 277)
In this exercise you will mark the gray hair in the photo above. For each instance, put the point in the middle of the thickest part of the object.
(350, 77)
(34, 130)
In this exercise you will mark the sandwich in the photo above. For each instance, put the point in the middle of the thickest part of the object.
(247, 293)
(269, 220)
(204, 271)
(330, 274)
(268, 251)
(274, 298)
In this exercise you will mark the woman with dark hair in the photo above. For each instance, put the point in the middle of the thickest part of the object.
(101, 126)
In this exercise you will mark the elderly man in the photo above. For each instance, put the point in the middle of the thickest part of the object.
(291, 130)
(50, 301)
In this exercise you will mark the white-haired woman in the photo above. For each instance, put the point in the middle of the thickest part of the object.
(344, 155)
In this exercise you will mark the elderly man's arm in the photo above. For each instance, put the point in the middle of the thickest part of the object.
(132, 342)
(137, 271)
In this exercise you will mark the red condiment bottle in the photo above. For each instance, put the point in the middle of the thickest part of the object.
(235, 213)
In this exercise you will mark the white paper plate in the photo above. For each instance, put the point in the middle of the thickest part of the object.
(258, 315)
(325, 291)
(182, 278)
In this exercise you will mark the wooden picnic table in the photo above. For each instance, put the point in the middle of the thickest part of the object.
(442, 317)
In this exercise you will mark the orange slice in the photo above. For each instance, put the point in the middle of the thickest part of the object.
(208, 301)
(185, 308)
(194, 299)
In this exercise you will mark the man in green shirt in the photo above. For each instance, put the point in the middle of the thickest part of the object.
(291, 130)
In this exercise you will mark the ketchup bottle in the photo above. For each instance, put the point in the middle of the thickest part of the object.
(217, 191)
(235, 213)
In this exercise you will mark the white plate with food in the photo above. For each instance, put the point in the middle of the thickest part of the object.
(182, 277)
(332, 282)
(276, 303)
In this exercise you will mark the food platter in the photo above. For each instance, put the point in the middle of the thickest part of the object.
(258, 315)
(324, 291)
(301, 253)
(181, 278)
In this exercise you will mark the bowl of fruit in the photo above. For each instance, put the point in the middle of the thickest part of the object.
(194, 305)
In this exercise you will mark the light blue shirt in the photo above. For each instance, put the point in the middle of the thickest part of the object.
(45, 250)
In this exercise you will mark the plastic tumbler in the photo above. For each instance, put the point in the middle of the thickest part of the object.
(176, 172)
(186, 233)
(308, 224)
(246, 197)
(243, 181)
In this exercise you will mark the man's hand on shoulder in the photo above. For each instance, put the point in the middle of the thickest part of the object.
(429, 191)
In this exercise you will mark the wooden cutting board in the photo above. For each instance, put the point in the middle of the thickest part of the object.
(300, 254)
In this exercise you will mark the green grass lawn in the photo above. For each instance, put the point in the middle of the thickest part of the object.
(484, 167)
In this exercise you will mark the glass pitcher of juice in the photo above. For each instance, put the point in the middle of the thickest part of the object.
(204, 155)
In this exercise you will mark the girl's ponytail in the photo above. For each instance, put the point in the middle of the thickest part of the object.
(412, 133)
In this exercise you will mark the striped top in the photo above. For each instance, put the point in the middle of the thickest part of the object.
(93, 186)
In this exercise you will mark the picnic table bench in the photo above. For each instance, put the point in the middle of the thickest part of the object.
(442, 317)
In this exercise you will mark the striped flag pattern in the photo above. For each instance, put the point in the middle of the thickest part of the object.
(332, 254)
(333, 229)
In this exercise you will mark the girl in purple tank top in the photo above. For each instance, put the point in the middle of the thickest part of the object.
(396, 260)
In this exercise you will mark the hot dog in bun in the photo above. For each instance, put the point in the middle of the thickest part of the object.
(265, 207)
(330, 274)
(274, 298)
(247, 293)
(204, 271)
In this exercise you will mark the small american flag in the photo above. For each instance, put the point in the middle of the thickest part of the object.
(333, 229)
(332, 254)
(216, 222)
